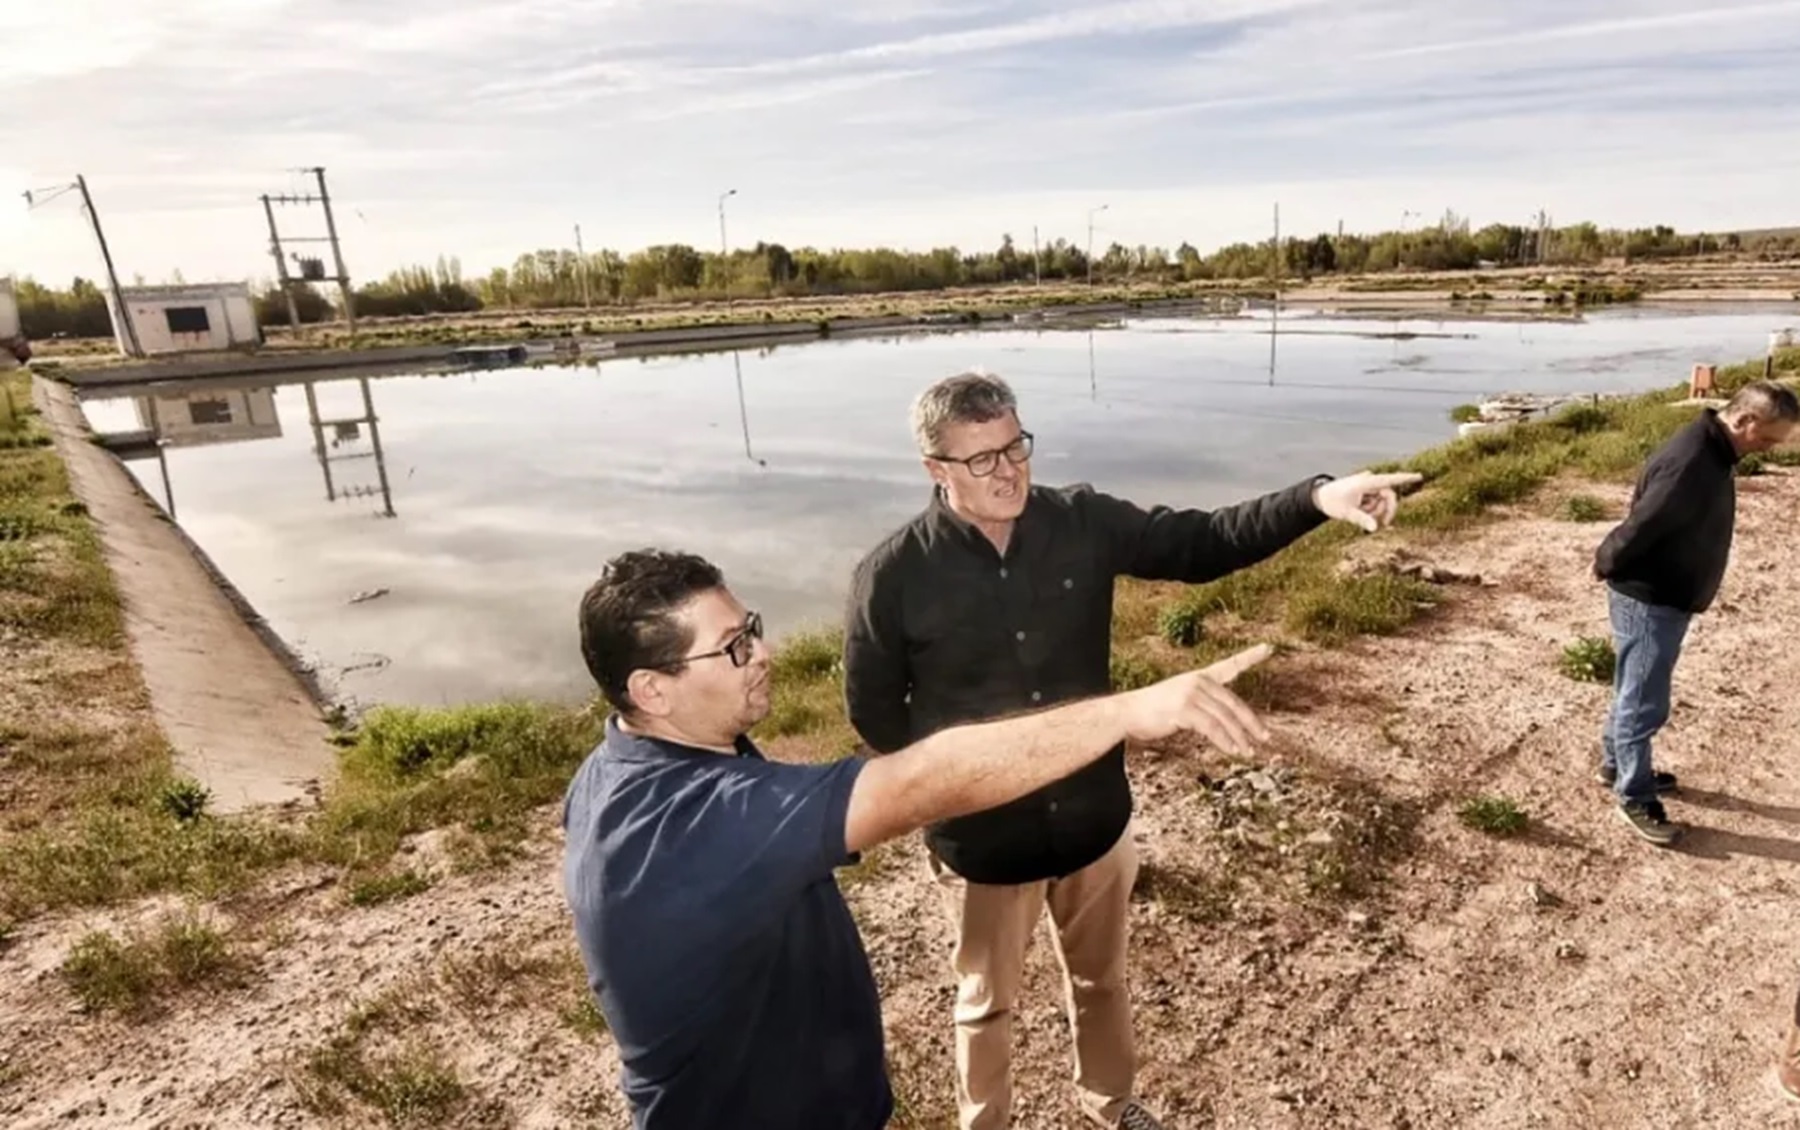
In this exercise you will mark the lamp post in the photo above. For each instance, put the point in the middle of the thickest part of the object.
(1090, 243)
(724, 248)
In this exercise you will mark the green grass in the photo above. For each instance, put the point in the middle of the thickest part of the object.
(1584, 508)
(1590, 659)
(136, 974)
(375, 890)
(1302, 590)
(1494, 815)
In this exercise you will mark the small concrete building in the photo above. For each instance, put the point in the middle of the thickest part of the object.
(189, 319)
(13, 348)
(226, 415)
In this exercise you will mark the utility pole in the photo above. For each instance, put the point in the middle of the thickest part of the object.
(121, 316)
(1037, 276)
(112, 275)
(1090, 242)
(287, 286)
(582, 266)
(337, 252)
(331, 237)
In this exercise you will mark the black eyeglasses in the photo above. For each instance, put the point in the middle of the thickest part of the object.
(738, 648)
(984, 463)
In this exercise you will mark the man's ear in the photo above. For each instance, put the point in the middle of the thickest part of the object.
(647, 690)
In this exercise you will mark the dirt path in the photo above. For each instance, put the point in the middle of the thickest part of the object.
(1344, 952)
(240, 721)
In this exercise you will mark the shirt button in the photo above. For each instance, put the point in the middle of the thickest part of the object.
(1037, 696)
(1054, 805)
(1020, 636)
(1003, 574)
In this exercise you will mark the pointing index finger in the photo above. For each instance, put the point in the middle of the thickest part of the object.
(1229, 668)
(1396, 479)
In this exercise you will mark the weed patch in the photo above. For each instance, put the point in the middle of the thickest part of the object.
(1590, 659)
(1493, 815)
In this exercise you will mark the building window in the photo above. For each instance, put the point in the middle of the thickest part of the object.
(187, 320)
(209, 411)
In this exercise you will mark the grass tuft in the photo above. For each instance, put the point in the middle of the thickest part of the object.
(134, 975)
(1584, 508)
(1590, 659)
(1494, 815)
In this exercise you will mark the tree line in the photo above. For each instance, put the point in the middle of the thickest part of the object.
(561, 278)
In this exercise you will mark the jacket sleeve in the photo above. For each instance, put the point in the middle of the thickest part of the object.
(877, 676)
(1664, 502)
(1163, 544)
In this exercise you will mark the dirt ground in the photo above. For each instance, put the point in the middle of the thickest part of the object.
(1319, 944)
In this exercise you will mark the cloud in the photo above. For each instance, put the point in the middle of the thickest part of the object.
(488, 127)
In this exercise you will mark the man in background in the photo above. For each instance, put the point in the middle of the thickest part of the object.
(998, 598)
(1662, 566)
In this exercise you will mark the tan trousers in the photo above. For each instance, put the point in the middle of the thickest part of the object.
(1089, 911)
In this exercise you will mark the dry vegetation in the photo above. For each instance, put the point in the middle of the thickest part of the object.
(421, 851)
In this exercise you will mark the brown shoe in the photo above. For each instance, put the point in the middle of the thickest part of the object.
(1787, 1068)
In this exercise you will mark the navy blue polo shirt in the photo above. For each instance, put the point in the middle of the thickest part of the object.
(726, 964)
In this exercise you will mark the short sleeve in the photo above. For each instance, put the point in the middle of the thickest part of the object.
(778, 828)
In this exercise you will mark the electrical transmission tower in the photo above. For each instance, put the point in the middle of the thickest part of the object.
(311, 268)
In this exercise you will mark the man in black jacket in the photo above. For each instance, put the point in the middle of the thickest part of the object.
(1662, 566)
(997, 599)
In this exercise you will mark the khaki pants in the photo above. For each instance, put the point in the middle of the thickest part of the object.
(1089, 911)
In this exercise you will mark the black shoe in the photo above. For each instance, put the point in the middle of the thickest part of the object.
(1608, 776)
(1650, 821)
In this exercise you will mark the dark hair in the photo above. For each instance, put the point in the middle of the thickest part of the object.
(1766, 402)
(628, 616)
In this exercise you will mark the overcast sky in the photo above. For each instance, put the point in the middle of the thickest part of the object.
(484, 128)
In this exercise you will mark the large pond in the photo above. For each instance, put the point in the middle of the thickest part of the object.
(508, 489)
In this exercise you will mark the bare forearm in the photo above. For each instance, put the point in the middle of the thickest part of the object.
(976, 767)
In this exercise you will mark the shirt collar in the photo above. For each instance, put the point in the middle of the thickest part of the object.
(944, 519)
(1718, 439)
(621, 744)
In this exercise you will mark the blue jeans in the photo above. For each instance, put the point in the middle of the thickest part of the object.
(1648, 640)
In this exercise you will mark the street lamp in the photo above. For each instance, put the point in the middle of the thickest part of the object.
(724, 249)
(1090, 246)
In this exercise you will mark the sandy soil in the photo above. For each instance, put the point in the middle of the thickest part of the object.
(241, 720)
(1571, 977)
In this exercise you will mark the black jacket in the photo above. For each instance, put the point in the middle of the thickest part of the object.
(941, 629)
(1672, 547)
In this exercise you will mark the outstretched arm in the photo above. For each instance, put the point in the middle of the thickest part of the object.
(973, 768)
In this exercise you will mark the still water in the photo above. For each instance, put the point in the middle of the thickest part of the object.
(510, 488)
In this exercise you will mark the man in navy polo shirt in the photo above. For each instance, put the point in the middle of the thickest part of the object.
(700, 875)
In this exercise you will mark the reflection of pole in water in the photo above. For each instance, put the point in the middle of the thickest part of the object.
(162, 458)
(318, 429)
(387, 497)
(1093, 381)
(743, 411)
(347, 429)
(1275, 312)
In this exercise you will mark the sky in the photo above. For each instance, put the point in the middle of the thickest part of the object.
(483, 129)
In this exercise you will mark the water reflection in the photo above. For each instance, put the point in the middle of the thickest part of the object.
(518, 484)
(218, 415)
(346, 439)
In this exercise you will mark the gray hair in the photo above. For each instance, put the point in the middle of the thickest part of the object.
(1765, 402)
(972, 397)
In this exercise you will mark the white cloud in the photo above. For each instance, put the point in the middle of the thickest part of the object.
(486, 129)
